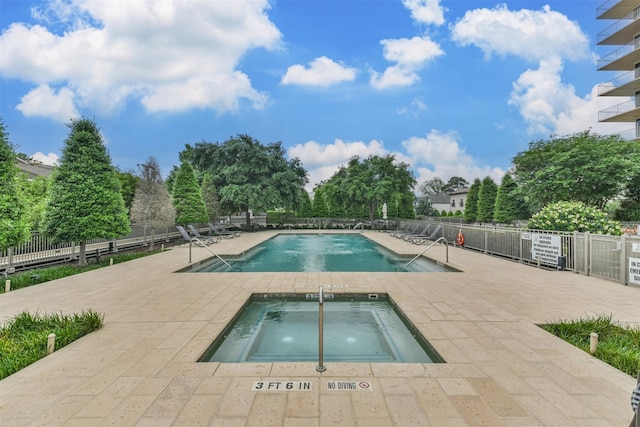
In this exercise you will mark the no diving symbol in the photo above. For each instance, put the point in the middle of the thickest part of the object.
(364, 386)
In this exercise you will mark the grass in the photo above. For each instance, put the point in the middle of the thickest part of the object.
(618, 346)
(23, 340)
(39, 275)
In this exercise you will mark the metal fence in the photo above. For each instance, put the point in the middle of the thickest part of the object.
(611, 257)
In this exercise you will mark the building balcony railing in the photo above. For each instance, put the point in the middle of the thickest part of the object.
(615, 55)
(628, 134)
(605, 7)
(614, 28)
(617, 110)
(618, 81)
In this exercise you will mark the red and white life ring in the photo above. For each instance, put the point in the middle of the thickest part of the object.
(460, 238)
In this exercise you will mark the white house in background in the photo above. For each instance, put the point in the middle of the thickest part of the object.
(33, 169)
(440, 202)
(458, 200)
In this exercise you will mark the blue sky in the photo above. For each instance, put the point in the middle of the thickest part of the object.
(451, 87)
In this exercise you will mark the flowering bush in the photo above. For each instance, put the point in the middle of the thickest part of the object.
(573, 216)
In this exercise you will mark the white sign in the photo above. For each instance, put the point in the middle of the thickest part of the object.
(526, 236)
(546, 247)
(281, 386)
(349, 385)
(635, 247)
(634, 271)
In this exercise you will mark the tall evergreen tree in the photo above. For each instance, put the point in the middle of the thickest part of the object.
(187, 196)
(152, 203)
(306, 209)
(211, 197)
(510, 204)
(320, 207)
(405, 206)
(84, 195)
(471, 207)
(14, 226)
(487, 199)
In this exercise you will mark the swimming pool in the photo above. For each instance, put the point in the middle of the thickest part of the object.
(320, 252)
(357, 328)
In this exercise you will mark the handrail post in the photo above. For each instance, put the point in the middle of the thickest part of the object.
(446, 243)
(320, 367)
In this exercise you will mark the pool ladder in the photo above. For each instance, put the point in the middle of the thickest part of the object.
(321, 367)
(195, 239)
(440, 239)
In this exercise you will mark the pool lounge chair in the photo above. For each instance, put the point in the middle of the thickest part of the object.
(205, 240)
(223, 233)
(409, 237)
(432, 237)
(412, 230)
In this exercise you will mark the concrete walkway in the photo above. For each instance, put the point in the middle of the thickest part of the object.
(140, 369)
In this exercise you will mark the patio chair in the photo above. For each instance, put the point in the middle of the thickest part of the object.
(432, 237)
(205, 240)
(223, 233)
(410, 236)
(411, 230)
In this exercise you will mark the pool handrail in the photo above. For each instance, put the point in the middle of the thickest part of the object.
(321, 367)
(207, 248)
(446, 243)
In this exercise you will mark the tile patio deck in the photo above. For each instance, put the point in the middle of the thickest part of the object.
(502, 370)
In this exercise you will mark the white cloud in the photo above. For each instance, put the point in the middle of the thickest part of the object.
(154, 51)
(410, 55)
(440, 155)
(46, 102)
(47, 159)
(322, 71)
(531, 35)
(417, 105)
(425, 11)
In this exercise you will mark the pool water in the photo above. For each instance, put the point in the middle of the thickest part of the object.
(320, 252)
(356, 329)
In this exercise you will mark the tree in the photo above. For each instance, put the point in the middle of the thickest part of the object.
(320, 207)
(128, 186)
(584, 167)
(151, 205)
(425, 208)
(14, 227)
(432, 186)
(405, 206)
(187, 196)
(306, 208)
(471, 207)
(510, 204)
(487, 199)
(250, 175)
(84, 196)
(455, 183)
(210, 197)
(370, 182)
(629, 209)
(35, 195)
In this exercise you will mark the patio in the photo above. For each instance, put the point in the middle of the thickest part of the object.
(502, 370)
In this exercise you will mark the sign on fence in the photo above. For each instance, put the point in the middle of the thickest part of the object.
(546, 247)
(634, 271)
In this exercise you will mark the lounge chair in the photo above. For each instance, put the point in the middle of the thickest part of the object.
(432, 237)
(205, 240)
(223, 233)
(410, 236)
(411, 230)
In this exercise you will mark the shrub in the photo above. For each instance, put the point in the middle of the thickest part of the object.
(573, 216)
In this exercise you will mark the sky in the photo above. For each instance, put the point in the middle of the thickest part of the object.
(450, 87)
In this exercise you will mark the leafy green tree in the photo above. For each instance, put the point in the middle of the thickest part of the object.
(629, 209)
(35, 194)
(211, 197)
(455, 183)
(152, 202)
(471, 207)
(573, 216)
(425, 208)
(187, 196)
(370, 182)
(14, 226)
(306, 208)
(487, 199)
(405, 206)
(250, 175)
(84, 195)
(584, 167)
(128, 186)
(510, 204)
(320, 207)
(432, 186)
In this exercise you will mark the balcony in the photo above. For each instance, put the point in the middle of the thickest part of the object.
(625, 112)
(626, 84)
(623, 58)
(620, 32)
(615, 9)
